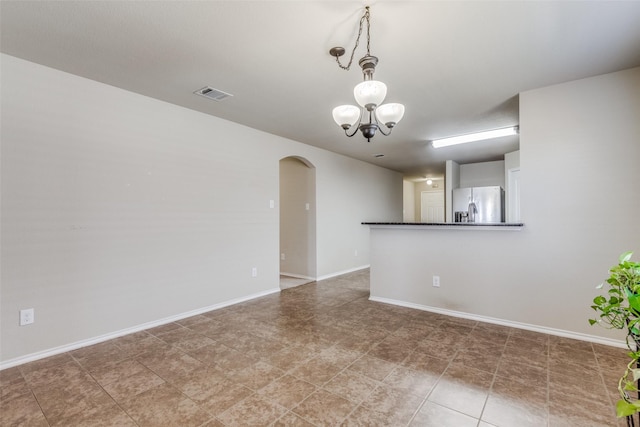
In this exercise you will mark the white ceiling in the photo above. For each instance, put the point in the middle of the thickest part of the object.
(456, 66)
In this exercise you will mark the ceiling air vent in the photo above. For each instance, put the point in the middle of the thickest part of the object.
(211, 93)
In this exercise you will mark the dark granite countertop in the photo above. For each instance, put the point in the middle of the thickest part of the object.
(449, 225)
(457, 224)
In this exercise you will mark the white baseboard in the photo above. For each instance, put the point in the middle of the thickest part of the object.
(326, 276)
(340, 273)
(297, 276)
(95, 340)
(512, 324)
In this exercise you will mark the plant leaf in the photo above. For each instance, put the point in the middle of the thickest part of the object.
(624, 408)
(625, 257)
(634, 301)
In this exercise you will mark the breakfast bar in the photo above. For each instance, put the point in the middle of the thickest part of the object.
(447, 225)
(458, 269)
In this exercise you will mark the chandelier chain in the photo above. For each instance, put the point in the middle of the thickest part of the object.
(364, 16)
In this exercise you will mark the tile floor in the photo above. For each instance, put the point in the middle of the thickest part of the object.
(320, 354)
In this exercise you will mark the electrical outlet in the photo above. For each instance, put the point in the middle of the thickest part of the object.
(27, 316)
(436, 281)
(355, 253)
(254, 272)
(283, 257)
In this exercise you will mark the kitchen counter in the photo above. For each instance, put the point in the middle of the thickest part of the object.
(470, 268)
(447, 225)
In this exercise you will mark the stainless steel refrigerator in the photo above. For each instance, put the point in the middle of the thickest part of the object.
(478, 204)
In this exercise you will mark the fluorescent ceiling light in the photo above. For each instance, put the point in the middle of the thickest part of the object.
(478, 136)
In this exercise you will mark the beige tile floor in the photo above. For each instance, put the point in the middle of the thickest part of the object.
(320, 354)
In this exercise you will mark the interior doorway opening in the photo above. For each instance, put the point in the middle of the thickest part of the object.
(297, 222)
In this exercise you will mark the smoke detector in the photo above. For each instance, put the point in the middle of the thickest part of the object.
(211, 93)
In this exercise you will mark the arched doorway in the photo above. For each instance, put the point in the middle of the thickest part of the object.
(297, 221)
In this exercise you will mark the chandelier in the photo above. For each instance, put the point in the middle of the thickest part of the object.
(372, 114)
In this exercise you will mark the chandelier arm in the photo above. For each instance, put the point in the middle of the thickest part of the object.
(381, 126)
(356, 126)
(353, 52)
(355, 130)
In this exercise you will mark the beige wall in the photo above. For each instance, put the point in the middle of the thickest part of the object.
(579, 153)
(119, 210)
(482, 174)
(511, 161)
(408, 201)
(452, 181)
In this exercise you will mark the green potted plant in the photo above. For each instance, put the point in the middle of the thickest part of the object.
(619, 308)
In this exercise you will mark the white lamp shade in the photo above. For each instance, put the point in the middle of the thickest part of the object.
(390, 114)
(346, 115)
(370, 92)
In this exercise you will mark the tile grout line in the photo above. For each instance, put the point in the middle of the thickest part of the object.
(426, 398)
(493, 379)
